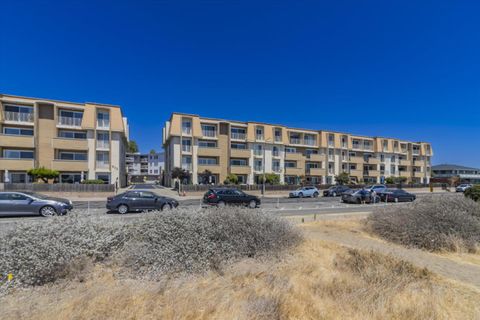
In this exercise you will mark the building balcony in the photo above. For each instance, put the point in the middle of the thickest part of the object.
(70, 165)
(277, 169)
(186, 148)
(19, 117)
(102, 165)
(16, 141)
(69, 144)
(70, 122)
(294, 156)
(405, 162)
(103, 144)
(103, 124)
(310, 142)
(316, 171)
(419, 163)
(212, 152)
(238, 136)
(213, 168)
(16, 164)
(372, 160)
(240, 153)
(418, 174)
(356, 173)
(187, 166)
(316, 157)
(356, 160)
(209, 133)
(295, 141)
(295, 171)
(371, 173)
(240, 169)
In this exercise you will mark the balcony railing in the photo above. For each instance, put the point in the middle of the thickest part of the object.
(258, 152)
(309, 142)
(209, 133)
(295, 141)
(416, 152)
(186, 148)
(275, 153)
(18, 116)
(257, 167)
(259, 137)
(103, 144)
(278, 138)
(187, 166)
(186, 130)
(103, 164)
(237, 135)
(70, 121)
(276, 168)
(103, 123)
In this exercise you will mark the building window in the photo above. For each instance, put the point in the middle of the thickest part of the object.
(258, 150)
(186, 145)
(70, 177)
(103, 119)
(290, 150)
(70, 118)
(242, 146)
(103, 140)
(104, 176)
(276, 166)
(103, 159)
(72, 156)
(290, 180)
(290, 164)
(242, 178)
(238, 133)
(239, 162)
(17, 154)
(18, 131)
(258, 165)
(207, 144)
(209, 130)
(207, 161)
(65, 134)
(275, 151)
(278, 135)
(187, 163)
(259, 133)
(331, 140)
(186, 126)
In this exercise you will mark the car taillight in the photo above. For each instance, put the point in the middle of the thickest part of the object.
(211, 196)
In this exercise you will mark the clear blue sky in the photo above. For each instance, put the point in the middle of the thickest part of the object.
(408, 69)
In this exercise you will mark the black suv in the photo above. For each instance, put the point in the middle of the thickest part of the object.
(335, 191)
(223, 196)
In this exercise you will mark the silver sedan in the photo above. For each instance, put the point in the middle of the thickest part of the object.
(30, 203)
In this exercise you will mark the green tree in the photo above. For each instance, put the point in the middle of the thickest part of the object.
(153, 151)
(231, 179)
(43, 173)
(205, 177)
(179, 173)
(473, 193)
(342, 178)
(132, 146)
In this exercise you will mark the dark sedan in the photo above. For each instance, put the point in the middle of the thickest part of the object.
(396, 195)
(335, 191)
(223, 196)
(360, 196)
(138, 201)
(30, 203)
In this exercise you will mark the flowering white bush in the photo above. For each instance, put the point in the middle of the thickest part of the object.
(184, 240)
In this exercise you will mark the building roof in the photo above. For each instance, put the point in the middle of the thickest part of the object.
(448, 167)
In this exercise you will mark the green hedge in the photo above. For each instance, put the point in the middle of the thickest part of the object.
(94, 181)
(473, 193)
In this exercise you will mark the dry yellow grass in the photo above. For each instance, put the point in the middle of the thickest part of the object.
(318, 281)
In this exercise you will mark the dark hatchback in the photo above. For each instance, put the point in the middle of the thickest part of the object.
(139, 201)
(222, 196)
(360, 196)
(335, 191)
(396, 195)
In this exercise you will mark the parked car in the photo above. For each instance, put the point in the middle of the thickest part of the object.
(335, 191)
(137, 200)
(396, 195)
(304, 192)
(31, 203)
(463, 187)
(223, 196)
(360, 196)
(376, 187)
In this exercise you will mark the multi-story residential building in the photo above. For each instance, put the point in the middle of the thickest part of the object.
(445, 172)
(247, 149)
(147, 166)
(80, 140)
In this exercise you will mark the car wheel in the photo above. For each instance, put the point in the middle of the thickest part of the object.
(300, 195)
(396, 200)
(221, 204)
(252, 204)
(315, 195)
(166, 207)
(122, 209)
(359, 201)
(412, 199)
(48, 211)
(334, 194)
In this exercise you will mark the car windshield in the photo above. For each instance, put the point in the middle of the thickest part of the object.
(36, 195)
(368, 187)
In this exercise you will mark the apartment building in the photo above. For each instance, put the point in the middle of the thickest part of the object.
(80, 140)
(248, 149)
(144, 166)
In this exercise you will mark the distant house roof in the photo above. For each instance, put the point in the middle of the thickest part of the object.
(448, 167)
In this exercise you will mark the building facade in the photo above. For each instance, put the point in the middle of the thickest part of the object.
(444, 172)
(79, 140)
(148, 166)
(248, 149)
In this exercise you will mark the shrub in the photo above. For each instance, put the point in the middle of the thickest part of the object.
(185, 241)
(231, 179)
(473, 193)
(43, 173)
(93, 181)
(433, 223)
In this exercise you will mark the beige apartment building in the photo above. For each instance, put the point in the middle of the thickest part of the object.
(80, 140)
(248, 149)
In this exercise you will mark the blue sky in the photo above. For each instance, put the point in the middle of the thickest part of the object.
(407, 69)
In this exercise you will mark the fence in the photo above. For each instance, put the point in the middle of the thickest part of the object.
(288, 187)
(59, 187)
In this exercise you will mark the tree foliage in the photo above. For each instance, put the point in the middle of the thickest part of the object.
(132, 146)
(231, 179)
(43, 173)
(270, 178)
(205, 177)
(179, 173)
(342, 178)
(473, 193)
